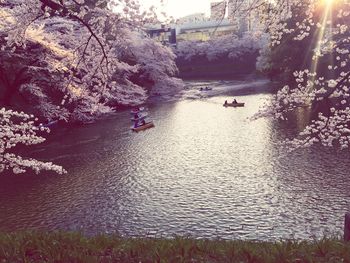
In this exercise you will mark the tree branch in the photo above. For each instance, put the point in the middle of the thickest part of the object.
(332, 90)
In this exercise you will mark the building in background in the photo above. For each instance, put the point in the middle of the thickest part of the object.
(163, 34)
(224, 19)
(205, 30)
(198, 27)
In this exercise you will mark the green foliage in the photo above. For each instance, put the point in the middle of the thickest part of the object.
(75, 247)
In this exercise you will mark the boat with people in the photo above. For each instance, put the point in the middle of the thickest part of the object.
(233, 104)
(139, 119)
(238, 104)
(205, 89)
(144, 126)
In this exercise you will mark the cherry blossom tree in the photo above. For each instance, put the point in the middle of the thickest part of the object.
(19, 128)
(65, 58)
(156, 64)
(325, 91)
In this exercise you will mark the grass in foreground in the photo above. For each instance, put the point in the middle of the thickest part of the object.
(75, 247)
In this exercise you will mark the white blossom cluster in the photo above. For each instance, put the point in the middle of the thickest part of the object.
(329, 131)
(19, 128)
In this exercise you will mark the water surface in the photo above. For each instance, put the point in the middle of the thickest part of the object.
(204, 170)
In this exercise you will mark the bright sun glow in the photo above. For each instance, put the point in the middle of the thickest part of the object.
(321, 33)
(328, 2)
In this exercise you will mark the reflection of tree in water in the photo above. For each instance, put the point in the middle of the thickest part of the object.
(315, 189)
(310, 181)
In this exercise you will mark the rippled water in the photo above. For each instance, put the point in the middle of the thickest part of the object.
(204, 170)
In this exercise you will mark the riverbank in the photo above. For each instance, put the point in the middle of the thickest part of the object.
(75, 247)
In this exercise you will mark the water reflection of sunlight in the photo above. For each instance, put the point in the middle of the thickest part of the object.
(220, 136)
(204, 170)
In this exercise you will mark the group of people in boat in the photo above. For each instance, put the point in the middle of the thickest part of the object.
(233, 102)
(139, 119)
(138, 123)
(206, 88)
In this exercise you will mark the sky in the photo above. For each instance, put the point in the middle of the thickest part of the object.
(180, 8)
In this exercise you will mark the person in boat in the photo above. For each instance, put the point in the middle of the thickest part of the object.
(136, 109)
(143, 122)
(225, 102)
(137, 124)
(201, 89)
(234, 101)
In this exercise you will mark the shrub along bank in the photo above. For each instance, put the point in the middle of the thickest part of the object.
(75, 247)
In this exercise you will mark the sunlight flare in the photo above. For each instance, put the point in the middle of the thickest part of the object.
(321, 35)
(328, 2)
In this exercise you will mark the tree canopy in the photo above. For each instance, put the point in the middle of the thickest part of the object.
(74, 61)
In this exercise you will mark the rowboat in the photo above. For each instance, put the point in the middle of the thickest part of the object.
(205, 89)
(238, 104)
(143, 127)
